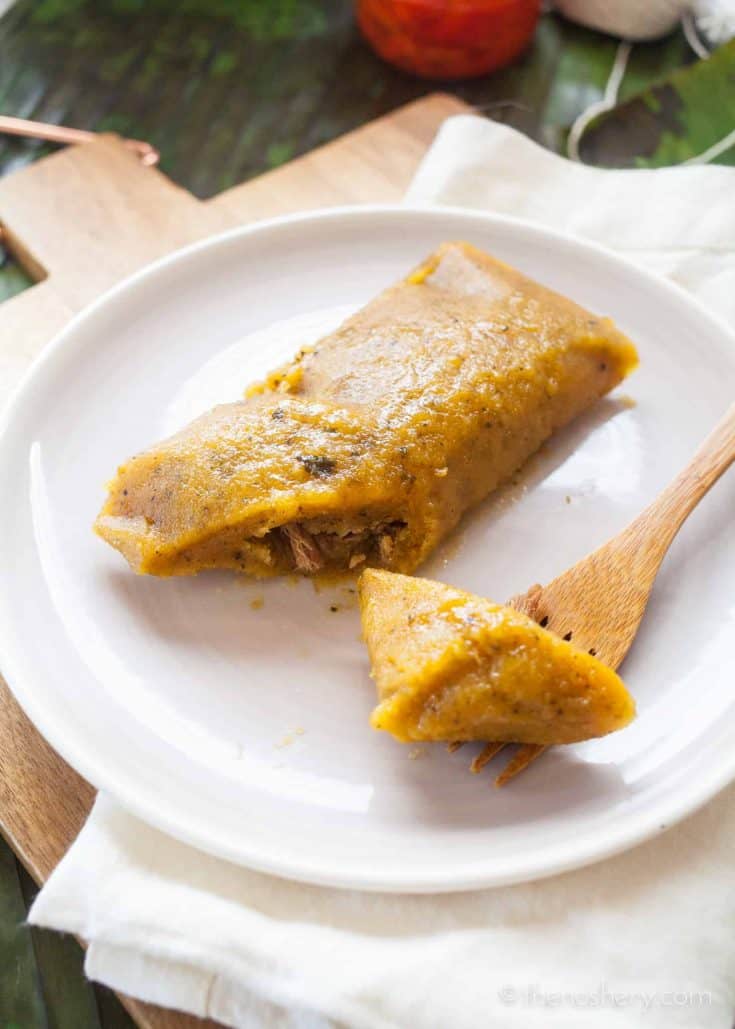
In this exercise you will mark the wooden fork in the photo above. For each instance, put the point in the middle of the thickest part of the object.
(599, 602)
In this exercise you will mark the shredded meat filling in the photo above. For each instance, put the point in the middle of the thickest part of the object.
(306, 553)
(385, 546)
(311, 551)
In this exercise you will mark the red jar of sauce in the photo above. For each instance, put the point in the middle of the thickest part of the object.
(448, 39)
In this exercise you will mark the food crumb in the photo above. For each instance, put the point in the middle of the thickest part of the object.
(416, 753)
(567, 499)
(257, 602)
(290, 737)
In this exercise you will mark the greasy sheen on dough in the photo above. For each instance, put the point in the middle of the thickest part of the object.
(368, 447)
(451, 666)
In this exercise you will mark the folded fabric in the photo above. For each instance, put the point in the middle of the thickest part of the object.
(647, 938)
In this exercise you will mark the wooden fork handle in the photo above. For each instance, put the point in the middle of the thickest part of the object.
(680, 498)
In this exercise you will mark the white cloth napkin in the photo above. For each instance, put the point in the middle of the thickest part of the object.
(647, 938)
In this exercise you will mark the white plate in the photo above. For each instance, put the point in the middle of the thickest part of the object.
(244, 731)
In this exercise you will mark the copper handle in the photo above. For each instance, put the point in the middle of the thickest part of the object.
(60, 134)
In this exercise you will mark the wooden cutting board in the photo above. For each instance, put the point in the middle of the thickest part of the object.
(79, 221)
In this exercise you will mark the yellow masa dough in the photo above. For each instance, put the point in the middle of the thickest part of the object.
(367, 448)
(452, 666)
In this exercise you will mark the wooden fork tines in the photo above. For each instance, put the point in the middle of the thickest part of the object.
(526, 753)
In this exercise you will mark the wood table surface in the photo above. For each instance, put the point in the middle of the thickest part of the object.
(227, 89)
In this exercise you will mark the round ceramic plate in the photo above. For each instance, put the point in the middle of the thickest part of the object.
(234, 714)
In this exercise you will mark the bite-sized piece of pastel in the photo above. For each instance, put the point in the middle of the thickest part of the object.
(451, 666)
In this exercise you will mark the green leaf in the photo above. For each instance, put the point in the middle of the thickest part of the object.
(68, 996)
(20, 988)
(581, 74)
(263, 19)
(50, 10)
(12, 277)
(650, 62)
(224, 62)
(278, 153)
(677, 118)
